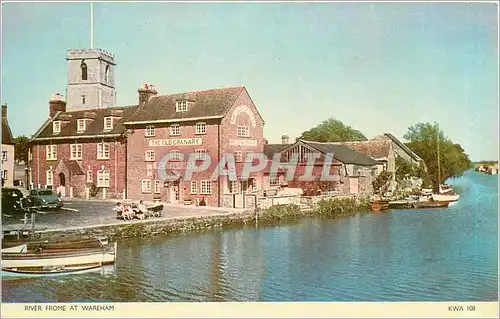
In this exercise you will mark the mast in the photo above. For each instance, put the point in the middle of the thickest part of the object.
(438, 161)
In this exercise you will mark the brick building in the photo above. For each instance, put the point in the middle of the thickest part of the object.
(211, 125)
(7, 151)
(81, 145)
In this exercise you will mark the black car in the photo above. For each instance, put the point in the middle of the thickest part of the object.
(13, 200)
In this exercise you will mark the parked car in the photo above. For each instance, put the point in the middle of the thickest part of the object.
(45, 198)
(11, 200)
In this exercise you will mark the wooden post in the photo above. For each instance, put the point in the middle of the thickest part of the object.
(71, 192)
(87, 193)
(104, 193)
(33, 225)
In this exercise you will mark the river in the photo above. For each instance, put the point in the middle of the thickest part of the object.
(402, 255)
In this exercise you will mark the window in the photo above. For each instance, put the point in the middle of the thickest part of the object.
(157, 187)
(103, 151)
(205, 187)
(181, 106)
(4, 156)
(49, 179)
(4, 174)
(89, 176)
(243, 131)
(103, 178)
(108, 123)
(76, 152)
(146, 186)
(249, 157)
(175, 155)
(51, 152)
(201, 154)
(274, 180)
(150, 156)
(201, 128)
(81, 125)
(175, 129)
(83, 66)
(106, 74)
(84, 99)
(238, 156)
(252, 185)
(56, 127)
(194, 187)
(233, 187)
(150, 131)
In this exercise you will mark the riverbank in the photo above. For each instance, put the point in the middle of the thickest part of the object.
(327, 208)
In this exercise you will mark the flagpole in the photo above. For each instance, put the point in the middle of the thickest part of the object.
(91, 25)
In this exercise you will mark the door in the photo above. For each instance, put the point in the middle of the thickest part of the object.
(62, 185)
(353, 185)
(174, 192)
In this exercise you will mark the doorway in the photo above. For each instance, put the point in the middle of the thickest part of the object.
(174, 192)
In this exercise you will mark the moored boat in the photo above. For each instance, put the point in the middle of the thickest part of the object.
(74, 242)
(449, 197)
(379, 205)
(429, 204)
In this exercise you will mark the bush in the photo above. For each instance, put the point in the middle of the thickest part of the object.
(337, 207)
(279, 212)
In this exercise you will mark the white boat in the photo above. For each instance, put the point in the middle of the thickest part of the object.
(20, 261)
(445, 197)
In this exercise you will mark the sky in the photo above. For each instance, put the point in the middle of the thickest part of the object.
(378, 67)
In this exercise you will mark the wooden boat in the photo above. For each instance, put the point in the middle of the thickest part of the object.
(449, 197)
(429, 204)
(20, 260)
(59, 243)
(379, 205)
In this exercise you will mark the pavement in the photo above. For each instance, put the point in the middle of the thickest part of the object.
(84, 213)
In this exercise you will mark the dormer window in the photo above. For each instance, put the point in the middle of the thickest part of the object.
(108, 123)
(81, 125)
(56, 127)
(181, 106)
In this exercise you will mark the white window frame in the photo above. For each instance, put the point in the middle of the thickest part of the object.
(108, 126)
(149, 131)
(103, 178)
(233, 187)
(56, 127)
(4, 174)
(194, 187)
(200, 154)
(274, 180)
(81, 125)
(146, 186)
(74, 153)
(157, 187)
(243, 131)
(49, 177)
(206, 187)
(175, 155)
(181, 106)
(4, 156)
(175, 130)
(238, 156)
(149, 156)
(201, 128)
(51, 152)
(101, 153)
(90, 178)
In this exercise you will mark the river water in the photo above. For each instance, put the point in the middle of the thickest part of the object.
(403, 255)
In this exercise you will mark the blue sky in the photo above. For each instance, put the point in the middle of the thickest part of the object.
(379, 67)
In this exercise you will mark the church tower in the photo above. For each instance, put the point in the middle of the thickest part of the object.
(91, 83)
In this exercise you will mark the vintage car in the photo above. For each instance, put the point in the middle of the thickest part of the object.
(11, 200)
(45, 199)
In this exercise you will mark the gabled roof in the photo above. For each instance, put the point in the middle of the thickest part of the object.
(404, 147)
(73, 167)
(95, 127)
(214, 103)
(6, 132)
(375, 148)
(271, 149)
(342, 153)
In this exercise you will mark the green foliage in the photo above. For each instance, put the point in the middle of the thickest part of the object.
(423, 140)
(279, 212)
(403, 169)
(381, 181)
(332, 130)
(21, 148)
(338, 207)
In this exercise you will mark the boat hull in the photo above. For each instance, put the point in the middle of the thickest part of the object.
(58, 243)
(445, 197)
(420, 205)
(379, 206)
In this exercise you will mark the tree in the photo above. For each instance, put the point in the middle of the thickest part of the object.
(382, 180)
(403, 169)
(423, 140)
(21, 148)
(332, 130)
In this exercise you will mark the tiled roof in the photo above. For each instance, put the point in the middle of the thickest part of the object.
(404, 147)
(271, 149)
(207, 103)
(376, 148)
(73, 167)
(6, 132)
(94, 127)
(342, 153)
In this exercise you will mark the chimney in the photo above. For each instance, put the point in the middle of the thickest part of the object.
(266, 141)
(285, 139)
(4, 110)
(56, 104)
(146, 93)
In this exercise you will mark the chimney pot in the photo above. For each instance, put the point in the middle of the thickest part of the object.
(56, 104)
(285, 139)
(146, 93)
